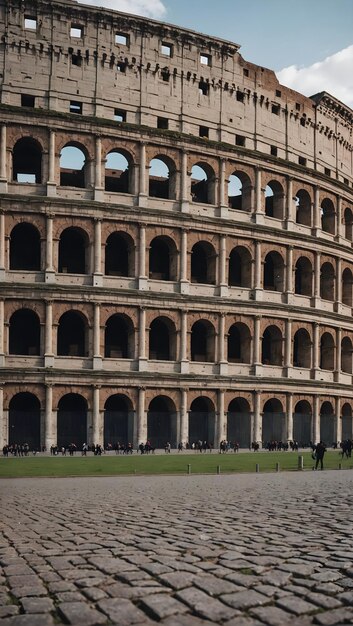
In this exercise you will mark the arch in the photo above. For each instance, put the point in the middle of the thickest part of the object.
(202, 183)
(347, 422)
(302, 349)
(203, 341)
(327, 352)
(239, 274)
(327, 282)
(24, 420)
(303, 277)
(327, 423)
(118, 420)
(203, 263)
(239, 423)
(272, 346)
(161, 422)
(302, 423)
(273, 421)
(24, 333)
(162, 177)
(346, 355)
(274, 200)
(273, 272)
(347, 281)
(162, 340)
(202, 421)
(117, 177)
(119, 255)
(72, 421)
(239, 191)
(72, 334)
(73, 251)
(27, 161)
(239, 343)
(348, 221)
(328, 216)
(303, 208)
(73, 166)
(119, 337)
(25, 253)
(163, 259)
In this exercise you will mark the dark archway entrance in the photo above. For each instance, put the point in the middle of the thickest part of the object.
(272, 421)
(24, 420)
(202, 421)
(72, 421)
(302, 423)
(239, 423)
(161, 422)
(118, 421)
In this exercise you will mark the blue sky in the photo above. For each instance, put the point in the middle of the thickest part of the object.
(309, 43)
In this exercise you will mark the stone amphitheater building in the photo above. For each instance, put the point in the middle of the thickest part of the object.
(176, 236)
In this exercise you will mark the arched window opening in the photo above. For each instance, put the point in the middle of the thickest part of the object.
(347, 287)
(327, 352)
(202, 423)
(239, 192)
(303, 277)
(202, 184)
(72, 421)
(163, 259)
(346, 355)
(272, 346)
(24, 333)
(203, 263)
(273, 422)
(25, 248)
(160, 179)
(274, 200)
(303, 208)
(348, 221)
(203, 341)
(302, 423)
(119, 338)
(119, 255)
(327, 424)
(72, 251)
(327, 282)
(118, 421)
(161, 422)
(73, 164)
(24, 420)
(347, 422)
(302, 349)
(239, 344)
(273, 272)
(27, 161)
(328, 216)
(71, 335)
(239, 274)
(239, 423)
(117, 173)
(162, 340)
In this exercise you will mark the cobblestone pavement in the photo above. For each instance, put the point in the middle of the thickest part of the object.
(239, 550)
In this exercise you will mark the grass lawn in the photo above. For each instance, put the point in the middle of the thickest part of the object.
(108, 465)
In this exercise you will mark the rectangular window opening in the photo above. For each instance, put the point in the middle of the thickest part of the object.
(167, 49)
(76, 31)
(273, 150)
(162, 122)
(27, 101)
(26, 178)
(239, 140)
(121, 39)
(205, 59)
(30, 22)
(297, 106)
(302, 121)
(165, 74)
(245, 72)
(278, 93)
(75, 107)
(119, 115)
(204, 131)
(240, 96)
(76, 60)
(327, 171)
(121, 66)
(204, 87)
(275, 109)
(302, 160)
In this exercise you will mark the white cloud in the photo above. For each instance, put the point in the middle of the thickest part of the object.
(147, 8)
(333, 74)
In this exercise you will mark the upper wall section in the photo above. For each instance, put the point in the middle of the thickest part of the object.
(79, 60)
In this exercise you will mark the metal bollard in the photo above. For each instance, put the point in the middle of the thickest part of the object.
(340, 466)
(189, 468)
(218, 469)
(300, 462)
(257, 468)
(277, 467)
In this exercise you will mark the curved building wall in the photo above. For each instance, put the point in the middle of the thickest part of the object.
(209, 297)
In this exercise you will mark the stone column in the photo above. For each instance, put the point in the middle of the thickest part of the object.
(289, 273)
(142, 280)
(50, 421)
(289, 417)
(317, 277)
(49, 354)
(184, 282)
(184, 361)
(288, 346)
(338, 419)
(340, 228)
(97, 271)
(338, 354)
(223, 363)
(317, 210)
(316, 419)
(338, 286)
(257, 346)
(222, 425)
(142, 197)
(97, 418)
(257, 435)
(223, 204)
(142, 360)
(185, 192)
(51, 183)
(258, 291)
(4, 438)
(141, 417)
(49, 269)
(3, 159)
(98, 187)
(316, 348)
(2, 334)
(97, 356)
(184, 417)
(259, 214)
(2, 246)
(290, 216)
(223, 287)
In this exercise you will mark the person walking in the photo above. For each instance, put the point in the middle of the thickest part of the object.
(319, 453)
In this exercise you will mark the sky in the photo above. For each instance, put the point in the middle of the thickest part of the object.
(308, 43)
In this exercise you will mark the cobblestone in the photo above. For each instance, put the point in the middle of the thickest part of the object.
(231, 550)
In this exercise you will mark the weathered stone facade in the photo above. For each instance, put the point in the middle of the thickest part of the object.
(191, 277)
